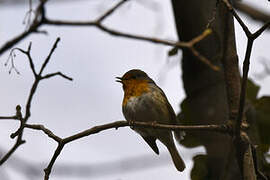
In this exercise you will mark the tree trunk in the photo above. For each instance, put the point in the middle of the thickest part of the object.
(207, 101)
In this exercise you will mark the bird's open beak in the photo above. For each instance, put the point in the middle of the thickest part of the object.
(119, 79)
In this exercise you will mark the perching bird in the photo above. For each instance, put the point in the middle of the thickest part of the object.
(144, 101)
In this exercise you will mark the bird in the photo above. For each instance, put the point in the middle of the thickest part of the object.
(144, 101)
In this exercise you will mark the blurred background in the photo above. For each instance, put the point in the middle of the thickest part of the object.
(93, 59)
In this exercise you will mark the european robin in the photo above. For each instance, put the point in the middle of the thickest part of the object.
(144, 101)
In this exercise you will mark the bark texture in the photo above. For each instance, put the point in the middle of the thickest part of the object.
(207, 99)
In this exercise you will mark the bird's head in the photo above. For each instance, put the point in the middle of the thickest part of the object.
(133, 78)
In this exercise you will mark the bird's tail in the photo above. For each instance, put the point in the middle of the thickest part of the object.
(177, 160)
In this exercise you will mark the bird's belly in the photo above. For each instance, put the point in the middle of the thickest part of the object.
(145, 109)
(138, 108)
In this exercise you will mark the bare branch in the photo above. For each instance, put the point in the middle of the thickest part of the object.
(243, 87)
(10, 59)
(115, 125)
(28, 54)
(261, 30)
(181, 45)
(8, 117)
(45, 130)
(115, 32)
(110, 11)
(242, 24)
(23, 120)
(33, 28)
(19, 140)
(57, 74)
(17, 39)
(28, 15)
(12, 150)
(44, 20)
(204, 59)
(55, 155)
(243, 146)
(251, 37)
(254, 13)
(49, 56)
(69, 23)
(200, 37)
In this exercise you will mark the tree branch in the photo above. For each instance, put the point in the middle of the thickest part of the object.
(55, 155)
(56, 74)
(8, 117)
(23, 120)
(19, 142)
(33, 28)
(48, 57)
(115, 125)
(254, 13)
(242, 24)
(242, 143)
(251, 38)
(41, 19)
(110, 11)
(48, 132)
(181, 45)
(27, 53)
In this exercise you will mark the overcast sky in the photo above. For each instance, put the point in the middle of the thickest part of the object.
(93, 59)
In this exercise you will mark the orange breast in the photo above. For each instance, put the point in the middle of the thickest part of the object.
(134, 88)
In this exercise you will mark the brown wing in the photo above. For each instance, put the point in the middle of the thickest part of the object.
(179, 135)
(171, 112)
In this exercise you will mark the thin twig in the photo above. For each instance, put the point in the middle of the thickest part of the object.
(27, 53)
(110, 11)
(55, 155)
(28, 15)
(33, 28)
(56, 74)
(181, 45)
(261, 30)
(251, 11)
(10, 59)
(8, 117)
(19, 142)
(242, 24)
(23, 120)
(44, 129)
(41, 19)
(49, 56)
